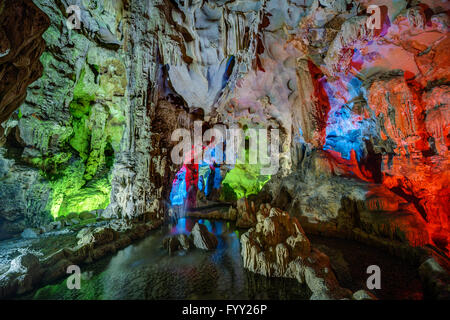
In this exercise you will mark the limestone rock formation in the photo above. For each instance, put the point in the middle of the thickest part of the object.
(329, 205)
(63, 139)
(172, 244)
(97, 236)
(177, 242)
(202, 238)
(230, 215)
(383, 77)
(246, 214)
(22, 24)
(87, 116)
(24, 196)
(278, 247)
(29, 234)
(97, 124)
(24, 273)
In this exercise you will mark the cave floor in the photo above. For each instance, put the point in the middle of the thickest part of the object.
(144, 270)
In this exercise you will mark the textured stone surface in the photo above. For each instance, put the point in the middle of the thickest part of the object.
(202, 238)
(21, 27)
(24, 273)
(28, 234)
(374, 99)
(362, 113)
(278, 247)
(177, 242)
(97, 236)
(24, 198)
(246, 214)
(65, 134)
(280, 65)
(388, 79)
(59, 250)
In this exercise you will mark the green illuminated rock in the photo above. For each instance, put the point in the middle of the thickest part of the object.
(67, 132)
(243, 180)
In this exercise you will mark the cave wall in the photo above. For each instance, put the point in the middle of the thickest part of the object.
(370, 111)
(20, 48)
(181, 77)
(362, 113)
(21, 44)
(60, 144)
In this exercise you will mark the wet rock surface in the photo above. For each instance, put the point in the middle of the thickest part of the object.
(278, 247)
(42, 259)
(361, 114)
(178, 242)
(363, 295)
(435, 276)
(246, 213)
(29, 234)
(24, 273)
(224, 213)
(202, 238)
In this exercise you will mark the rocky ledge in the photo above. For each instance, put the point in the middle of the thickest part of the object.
(243, 212)
(28, 271)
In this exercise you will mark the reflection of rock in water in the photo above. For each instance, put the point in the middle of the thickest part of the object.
(338, 264)
(264, 288)
(194, 282)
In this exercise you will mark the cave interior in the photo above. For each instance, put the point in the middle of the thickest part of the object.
(222, 148)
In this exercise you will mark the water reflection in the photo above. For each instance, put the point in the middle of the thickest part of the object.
(145, 271)
(184, 226)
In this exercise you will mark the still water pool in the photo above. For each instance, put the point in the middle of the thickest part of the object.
(145, 271)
